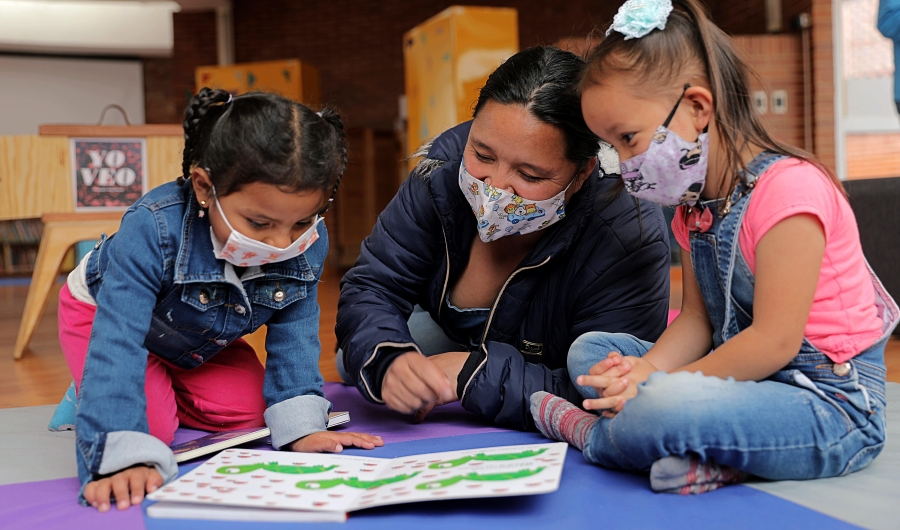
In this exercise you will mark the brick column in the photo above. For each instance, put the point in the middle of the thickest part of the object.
(823, 82)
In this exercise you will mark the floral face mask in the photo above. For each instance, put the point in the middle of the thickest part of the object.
(501, 213)
(243, 251)
(672, 171)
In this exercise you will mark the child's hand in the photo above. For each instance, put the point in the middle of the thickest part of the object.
(616, 380)
(334, 442)
(127, 486)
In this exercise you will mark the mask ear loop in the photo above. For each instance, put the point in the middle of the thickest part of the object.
(331, 199)
(675, 108)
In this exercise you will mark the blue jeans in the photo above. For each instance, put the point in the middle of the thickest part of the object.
(786, 427)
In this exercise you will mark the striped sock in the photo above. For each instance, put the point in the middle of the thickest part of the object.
(560, 420)
(688, 475)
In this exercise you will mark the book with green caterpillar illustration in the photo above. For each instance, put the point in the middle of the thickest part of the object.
(217, 441)
(274, 485)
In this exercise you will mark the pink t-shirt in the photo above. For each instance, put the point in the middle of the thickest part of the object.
(843, 320)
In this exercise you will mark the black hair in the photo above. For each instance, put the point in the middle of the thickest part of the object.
(544, 79)
(261, 137)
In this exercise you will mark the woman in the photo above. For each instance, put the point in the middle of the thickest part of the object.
(500, 312)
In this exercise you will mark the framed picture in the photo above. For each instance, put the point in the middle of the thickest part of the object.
(108, 173)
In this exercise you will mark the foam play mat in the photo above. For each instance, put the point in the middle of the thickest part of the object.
(38, 487)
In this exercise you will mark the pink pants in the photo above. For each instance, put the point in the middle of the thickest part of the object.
(222, 394)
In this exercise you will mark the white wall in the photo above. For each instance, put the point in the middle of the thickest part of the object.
(870, 106)
(38, 90)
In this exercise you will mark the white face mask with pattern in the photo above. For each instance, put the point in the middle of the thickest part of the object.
(501, 213)
(243, 251)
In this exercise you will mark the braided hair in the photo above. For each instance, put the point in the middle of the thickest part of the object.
(262, 137)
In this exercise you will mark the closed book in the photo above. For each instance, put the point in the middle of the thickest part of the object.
(215, 442)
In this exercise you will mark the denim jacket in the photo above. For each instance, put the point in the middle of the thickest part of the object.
(159, 288)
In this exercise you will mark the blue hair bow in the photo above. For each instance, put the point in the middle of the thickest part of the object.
(637, 18)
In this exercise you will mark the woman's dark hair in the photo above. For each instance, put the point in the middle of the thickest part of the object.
(260, 137)
(543, 79)
(691, 43)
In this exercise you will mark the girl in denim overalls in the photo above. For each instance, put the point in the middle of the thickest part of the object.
(151, 320)
(775, 365)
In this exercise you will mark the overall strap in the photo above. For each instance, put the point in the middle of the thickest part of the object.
(731, 224)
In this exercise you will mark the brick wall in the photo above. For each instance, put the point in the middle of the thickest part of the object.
(823, 82)
(777, 61)
(169, 83)
(356, 47)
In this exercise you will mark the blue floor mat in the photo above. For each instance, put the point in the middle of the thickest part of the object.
(589, 497)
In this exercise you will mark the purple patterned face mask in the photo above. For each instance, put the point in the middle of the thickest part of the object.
(671, 171)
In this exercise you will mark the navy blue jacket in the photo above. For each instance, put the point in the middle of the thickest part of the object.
(600, 269)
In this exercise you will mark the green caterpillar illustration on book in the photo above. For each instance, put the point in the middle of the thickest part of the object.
(476, 477)
(485, 458)
(352, 482)
(274, 467)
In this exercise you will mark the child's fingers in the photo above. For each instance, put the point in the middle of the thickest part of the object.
(154, 481)
(137, 481)
(101, 495)
(612, 360)
(602, 403)
(596, 381)
(90, 493)
(616, 388)
(120, 489)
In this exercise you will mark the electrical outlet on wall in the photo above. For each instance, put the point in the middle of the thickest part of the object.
(760, 101)
(779, 102)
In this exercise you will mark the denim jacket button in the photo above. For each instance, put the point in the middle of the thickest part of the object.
(204, 297)
(278, 296)
(841, 369)
(197, 357)
(221, 342)
(240, 309)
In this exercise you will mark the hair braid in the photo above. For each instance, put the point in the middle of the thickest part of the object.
(194, 121)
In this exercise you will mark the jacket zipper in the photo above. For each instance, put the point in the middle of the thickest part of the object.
(446, 253)
(487, 325)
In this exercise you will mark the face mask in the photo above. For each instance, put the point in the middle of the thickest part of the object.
(672, 171)
(243, 251)
(501, 213)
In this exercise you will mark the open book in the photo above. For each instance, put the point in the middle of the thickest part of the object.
(217, 441)
(274, 485)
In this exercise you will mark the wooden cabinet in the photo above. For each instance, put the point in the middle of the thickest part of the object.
(447, 60)
(375, 169)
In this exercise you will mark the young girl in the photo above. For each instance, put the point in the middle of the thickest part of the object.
(775, 365)
(151, 320)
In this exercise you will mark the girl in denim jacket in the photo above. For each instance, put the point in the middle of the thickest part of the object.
(775, 365)
(151, 321)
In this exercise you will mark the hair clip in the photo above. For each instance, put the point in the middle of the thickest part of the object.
(637, 18)
(219, 104)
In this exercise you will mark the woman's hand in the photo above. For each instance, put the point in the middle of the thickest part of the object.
(413, 382)
(334, 442)
(450, 364)
(616, 380)
(128, 487)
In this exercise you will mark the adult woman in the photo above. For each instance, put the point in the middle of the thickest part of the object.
(585, 257)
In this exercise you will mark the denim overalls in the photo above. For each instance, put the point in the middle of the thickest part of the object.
(813, 418)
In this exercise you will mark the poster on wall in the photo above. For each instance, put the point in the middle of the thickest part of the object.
(109, 173)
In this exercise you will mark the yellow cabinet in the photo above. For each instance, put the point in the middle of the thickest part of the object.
(447, 60)
(290, 78)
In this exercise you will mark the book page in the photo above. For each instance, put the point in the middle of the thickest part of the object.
(489, 472)
(269, 479)
(330, 482)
